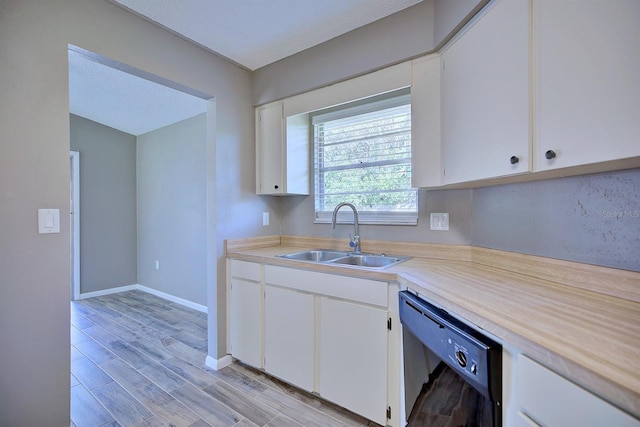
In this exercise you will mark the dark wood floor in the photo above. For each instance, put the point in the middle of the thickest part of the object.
(138, 360)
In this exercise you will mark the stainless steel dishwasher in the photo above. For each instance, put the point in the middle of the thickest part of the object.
(464, 384)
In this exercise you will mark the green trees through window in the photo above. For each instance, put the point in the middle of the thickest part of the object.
(365, 158)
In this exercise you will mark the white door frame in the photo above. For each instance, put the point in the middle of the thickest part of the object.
(74, 157)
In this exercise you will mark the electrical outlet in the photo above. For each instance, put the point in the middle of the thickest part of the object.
(265, 218)
(440, 221)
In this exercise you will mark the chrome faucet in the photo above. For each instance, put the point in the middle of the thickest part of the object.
(355, 241)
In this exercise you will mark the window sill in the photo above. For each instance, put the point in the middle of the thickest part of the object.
(364, 220)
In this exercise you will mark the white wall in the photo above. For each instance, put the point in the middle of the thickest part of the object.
(34, 173)
(172, 209)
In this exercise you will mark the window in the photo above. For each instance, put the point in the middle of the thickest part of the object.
(362, 155)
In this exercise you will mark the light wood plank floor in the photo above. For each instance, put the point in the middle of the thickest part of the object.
(138, 360)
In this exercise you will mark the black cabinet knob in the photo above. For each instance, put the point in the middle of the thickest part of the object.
(550, 154)
(276, 187)
(514, 159)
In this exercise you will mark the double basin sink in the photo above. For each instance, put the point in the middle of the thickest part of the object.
(326, 256)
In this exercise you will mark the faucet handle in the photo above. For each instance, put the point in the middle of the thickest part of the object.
(354, 241)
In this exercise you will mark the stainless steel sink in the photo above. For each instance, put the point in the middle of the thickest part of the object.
(316, 255)
(328, 256)
(373, 261)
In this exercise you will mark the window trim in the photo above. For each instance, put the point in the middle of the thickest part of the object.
(366, 105)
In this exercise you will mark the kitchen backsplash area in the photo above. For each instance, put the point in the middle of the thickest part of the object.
(593, 218)
(298, 213)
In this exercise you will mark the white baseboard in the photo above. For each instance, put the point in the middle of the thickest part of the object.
(109, 291)
(148, 290)
(201, 308)
(217, 364)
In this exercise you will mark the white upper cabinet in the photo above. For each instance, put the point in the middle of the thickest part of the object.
(426, 157)
(485, 96)
(282, 151)
(587, 56)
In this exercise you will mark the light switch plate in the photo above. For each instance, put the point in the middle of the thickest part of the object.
(440, 221)
(265, 218)
(48, 221)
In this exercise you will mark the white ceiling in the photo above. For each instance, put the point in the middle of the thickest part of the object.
(124, 101)
(255, 33)
(252, 33)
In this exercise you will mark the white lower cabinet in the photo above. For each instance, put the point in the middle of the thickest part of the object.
(289, 336)
(245, 312)
(548, 399)
(352, 357)
(324, 333)
(523, 421)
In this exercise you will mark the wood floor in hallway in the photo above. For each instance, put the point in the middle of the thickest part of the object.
(138, 360)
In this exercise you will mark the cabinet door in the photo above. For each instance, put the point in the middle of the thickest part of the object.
(524, 421)
(352, 357)
(426, 158)
(245, 317)
(269, 149)
(485, 90)
(587, 85)
(554, 401)
(289, 336)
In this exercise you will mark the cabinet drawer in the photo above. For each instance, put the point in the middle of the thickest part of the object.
(351, 288)
(245, 270)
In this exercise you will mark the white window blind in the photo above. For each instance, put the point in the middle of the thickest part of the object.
(362, 155)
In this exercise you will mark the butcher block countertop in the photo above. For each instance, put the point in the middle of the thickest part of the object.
(580, 320)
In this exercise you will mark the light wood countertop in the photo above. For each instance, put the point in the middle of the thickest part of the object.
(579, 320)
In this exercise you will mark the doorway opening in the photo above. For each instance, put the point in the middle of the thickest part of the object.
(102, 216)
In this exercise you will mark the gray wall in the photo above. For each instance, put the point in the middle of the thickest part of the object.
(400, 36)
(449, 14)
(409, 33)
(570, 218)
(298, 215)
(172, 197)
(107, 205)
(591, 218)
(34, 173)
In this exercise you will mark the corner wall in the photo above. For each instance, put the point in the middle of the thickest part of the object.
(172, 209)
(107, 205)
